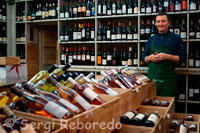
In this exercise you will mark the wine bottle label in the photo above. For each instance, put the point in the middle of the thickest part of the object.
(79, 57)
(50, 12)
(184, 5)
(114, 62)
(114, 8)
(98, 59)
(83, 9)
(148, 30)
(142, 32)
(83, 102)
(192, 34)
(130, 10)
(191, 92)
(192, 126)
(0, 16)
(66, 38)
(119, 84)
(90, 94)
(111, 92)
(119, 36)
(196, 91)
(154, 118)
(79, 36)
(148, 10)
(56, 110)
(61, 38)
(172, 30)
(83, 57)
(75, 11)
(135, 36)
(92, 34)
(130, 62)
(135, 61)
(130, 115)
(142, 10)
(109, 57)
(178, 7)
(197, 63)
(177, 31)
(108, 34)
(68, 104)
(104, 9)
(140, 116)
(99, 9)
(191, 62)
(109, 12)
(28, 128)
(74, 35)
(154, 9)
(79, 9)
(181, 96)
(193, 6)
(87, 57)
(70, 59)
(124, 63)
(123, 9)
(175, 121)
(113, 37)
(66, 14)
(197, 35)
(88, 13)
(129, 36)
(136, 10)
(63, 57)
(183, 34)
(83, 33)
(182, 129)
(104, 62)
(119, 11)
(124, 36)
(166, 4)
(92, 58)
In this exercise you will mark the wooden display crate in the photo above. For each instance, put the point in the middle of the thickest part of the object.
(167, 112)
(158, 128)
(181, 116)
(9, 60)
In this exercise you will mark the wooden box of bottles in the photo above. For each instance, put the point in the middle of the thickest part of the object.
(168, 111)
(125, 103)
(151, 89)
(9, 60)
(158, 128)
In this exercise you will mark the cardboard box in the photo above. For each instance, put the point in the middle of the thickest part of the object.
(11, 74)
(9, 60)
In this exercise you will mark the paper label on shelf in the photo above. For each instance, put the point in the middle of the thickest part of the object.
(154, 118)
(148, 10)
(68, 104)
(90, 94)
(83, 102)
(56, 110)
(130, 115)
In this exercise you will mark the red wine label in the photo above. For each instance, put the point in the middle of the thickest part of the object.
(140, 116)
(154, 118)
(130, 115)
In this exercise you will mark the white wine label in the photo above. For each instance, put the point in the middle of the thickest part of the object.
(92, 34)
(140, 116)
(75, 11)
(178, 7)
(119, 36)
(123, 9)
(124, 63)
(148, 10)
(130, 115)
(66, 38)
(111, 92)
(83, 33)
(74, 57)
(123, 36)
(113, 37)
(197, 63)
(183, 34)
(83, 102)
(70, 59)
(53, 13)
(182, 129)
(74, 35)
(142, 10)
(135, 36)
(99, 9)
(104, 62)
(129, 36)
(135, 61)
(109, 57)
(56, 110)
(87, 57)
(61, 38)
(90, 94)
(68, 104)
(83, 57)
(92, 58)
(175, 121)
(63, 57)
(79, 35)
(154, 118)
(120, 84)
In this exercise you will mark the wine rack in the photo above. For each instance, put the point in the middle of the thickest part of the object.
(33, 34)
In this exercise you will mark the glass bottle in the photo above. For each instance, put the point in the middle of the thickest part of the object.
(127, 117)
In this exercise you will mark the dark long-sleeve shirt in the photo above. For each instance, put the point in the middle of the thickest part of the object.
(176, 45)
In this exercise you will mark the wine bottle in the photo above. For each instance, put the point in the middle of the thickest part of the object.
(130, 57)
(70, 95)
(130, 7)
(189, 118)
(171, 6)
(119, 8)
(193, 5)
(198, 30)
(143, 7)
(99, 57)
(104, 8)
(135, 7)
(166, 5)
(152, 119)
(183, 127)
(139, 119)
(178, 6)
(183, 31)
(119, 32)
(114, 7)
(184, 5)
(59, 71)
(149, 7)
(127, 117)
(87, 93)
(174, 124)
(192, 127)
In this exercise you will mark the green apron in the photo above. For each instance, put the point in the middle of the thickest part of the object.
(163, 72)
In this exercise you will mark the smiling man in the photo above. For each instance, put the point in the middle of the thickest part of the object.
(162, 53)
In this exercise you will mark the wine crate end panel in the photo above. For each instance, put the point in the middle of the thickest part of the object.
(9, 60)
(152, 89)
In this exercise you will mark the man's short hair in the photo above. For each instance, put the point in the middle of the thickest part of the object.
(163, 13)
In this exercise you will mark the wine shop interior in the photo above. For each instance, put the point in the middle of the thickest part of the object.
(116, 66)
